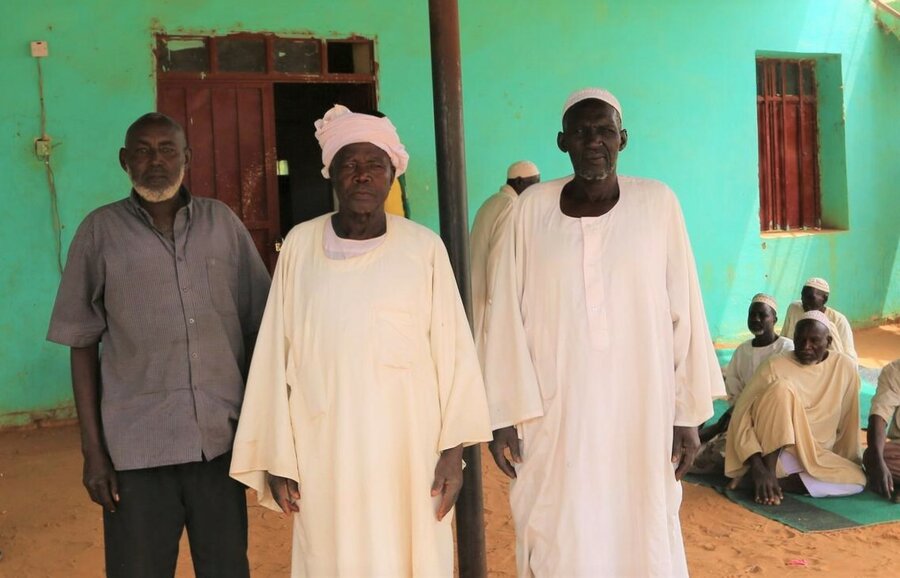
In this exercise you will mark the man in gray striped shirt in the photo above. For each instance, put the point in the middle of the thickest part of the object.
(160, 302)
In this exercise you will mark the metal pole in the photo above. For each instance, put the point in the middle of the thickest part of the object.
(446, 74)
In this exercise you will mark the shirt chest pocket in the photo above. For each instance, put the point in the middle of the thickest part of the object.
(395, 332)
(222, 277)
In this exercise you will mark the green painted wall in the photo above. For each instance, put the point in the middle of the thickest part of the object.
(98, 79)
(684, 73)
(888, 18)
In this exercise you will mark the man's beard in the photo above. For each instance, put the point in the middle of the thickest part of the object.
(157, 195)
(594, 175)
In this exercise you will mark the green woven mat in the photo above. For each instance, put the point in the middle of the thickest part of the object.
(808, 514)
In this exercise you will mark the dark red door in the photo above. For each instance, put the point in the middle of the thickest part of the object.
(231, 130)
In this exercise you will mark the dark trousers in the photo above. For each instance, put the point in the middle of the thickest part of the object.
(156, 504)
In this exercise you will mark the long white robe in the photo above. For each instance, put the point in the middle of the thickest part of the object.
(364, 371)
(491, 220)
(609, 308)
(746, 359)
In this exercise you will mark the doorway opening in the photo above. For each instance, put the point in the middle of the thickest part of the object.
(303, 193)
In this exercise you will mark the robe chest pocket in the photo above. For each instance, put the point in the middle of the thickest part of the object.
(395, 334)
(223, 285)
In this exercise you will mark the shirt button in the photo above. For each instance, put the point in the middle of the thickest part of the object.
(490, 301)
(184, 289)
(191, 320)
(194, 355)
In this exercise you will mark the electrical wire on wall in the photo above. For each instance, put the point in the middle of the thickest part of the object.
(42, 149)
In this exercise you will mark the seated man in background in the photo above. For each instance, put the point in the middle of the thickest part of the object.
(761, 318)
(882, 457)
(813, 297)
(795, 426)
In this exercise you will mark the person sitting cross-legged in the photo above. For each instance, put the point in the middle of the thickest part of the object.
(796, 425)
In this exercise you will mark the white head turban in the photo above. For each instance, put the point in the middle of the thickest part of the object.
(818, 283)
(595, 93)
(340, 127)
(766, 299)
(522, 169)
(816, 315)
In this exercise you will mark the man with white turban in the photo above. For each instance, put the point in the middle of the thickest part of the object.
(490, 222)
(364, 385)
(796, 425)
(599, 364)
(813, 297)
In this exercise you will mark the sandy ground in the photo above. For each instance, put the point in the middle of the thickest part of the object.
(49, 527)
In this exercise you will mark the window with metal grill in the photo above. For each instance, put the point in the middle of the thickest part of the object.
(787, 112)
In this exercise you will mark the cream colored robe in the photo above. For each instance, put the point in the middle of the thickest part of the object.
(491, 220)
(841, 333)
(746, 360)
(609, 308)
(812, 410)
(886, 402)
(364, 371)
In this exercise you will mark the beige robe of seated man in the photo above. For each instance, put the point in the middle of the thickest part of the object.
(805, 404)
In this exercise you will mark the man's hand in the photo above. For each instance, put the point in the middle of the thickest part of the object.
(685, 445)
(506, 437)
(99, 478)
(878, 474)
(448, 479)
(286, 493)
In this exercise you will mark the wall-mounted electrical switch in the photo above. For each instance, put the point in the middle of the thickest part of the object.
(42, 148)
(39, 49)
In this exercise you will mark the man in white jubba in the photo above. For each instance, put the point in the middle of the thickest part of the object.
(490, 221)
(599, 289)
(813, 297)
(364, 385)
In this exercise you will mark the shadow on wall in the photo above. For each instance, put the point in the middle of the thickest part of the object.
(773, 265)
(881, 154)
(737, 279)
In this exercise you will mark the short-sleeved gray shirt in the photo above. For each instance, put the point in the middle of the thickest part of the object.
(173, 319)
